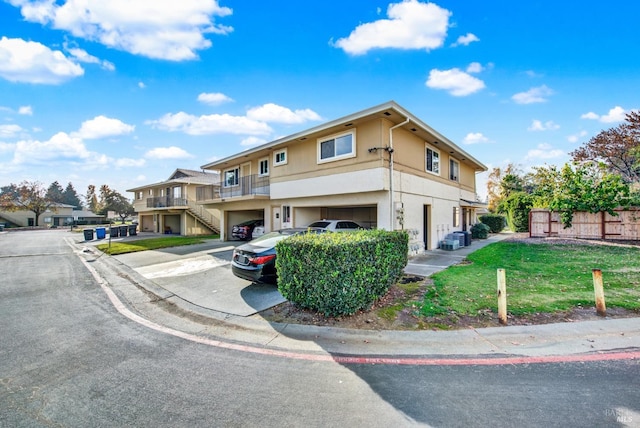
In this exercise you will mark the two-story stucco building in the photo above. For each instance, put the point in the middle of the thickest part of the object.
(170, 206)
(382, 167)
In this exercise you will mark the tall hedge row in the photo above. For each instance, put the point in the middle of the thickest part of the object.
(340, 273)
(496, 222)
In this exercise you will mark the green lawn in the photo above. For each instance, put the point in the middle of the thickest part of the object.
(123, 247)
(540, 278)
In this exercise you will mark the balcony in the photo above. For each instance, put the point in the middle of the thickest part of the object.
(166, 202)
(251, 185)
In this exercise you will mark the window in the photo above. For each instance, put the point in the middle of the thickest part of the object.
(177, 192)
(456, 216)
(140, 195)
(231, 177)
(337, 147)
(432, 161)
(263, 166)
(150, 192)
(454, 170)
(280, 157)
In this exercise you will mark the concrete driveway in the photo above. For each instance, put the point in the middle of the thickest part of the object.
(201, 274)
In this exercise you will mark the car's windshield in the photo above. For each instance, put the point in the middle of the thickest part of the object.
(270, 239)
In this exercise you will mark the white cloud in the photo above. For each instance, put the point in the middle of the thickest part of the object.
(575, 137)
(102, 126)
(544, 151)
(10, 130)
(456, 81)
(163, 29)
(474, 67)
(141, 85)
(83, 56)
(210, 124)
(537, 125)
(172, 152)
(61, 145)
(411, 25)
(127, 163)
(466, 40)
(25, 110)
(274, 113)
(32, 62)
(616, 114)
(252, 141)
(214, 98)
(533, 95)
(475, 138)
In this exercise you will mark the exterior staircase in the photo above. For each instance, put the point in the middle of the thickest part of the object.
(204, 216)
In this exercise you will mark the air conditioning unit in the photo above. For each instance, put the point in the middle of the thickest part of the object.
(450, 244)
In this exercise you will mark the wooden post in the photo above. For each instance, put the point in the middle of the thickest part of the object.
(598, 288)
(502, 297)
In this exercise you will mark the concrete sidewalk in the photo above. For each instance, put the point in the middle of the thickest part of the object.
(194, 318)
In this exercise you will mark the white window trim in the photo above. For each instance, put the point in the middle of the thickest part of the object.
(340, 157)
(286, 157)
(433, 149)
(224, 177)
(260, 174)
(456, 178)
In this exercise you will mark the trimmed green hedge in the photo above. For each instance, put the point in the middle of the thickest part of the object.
(480, 231)
(495, 222)
(340, 273)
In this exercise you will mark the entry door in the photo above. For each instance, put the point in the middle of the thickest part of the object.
(245, 178)
(275, 218)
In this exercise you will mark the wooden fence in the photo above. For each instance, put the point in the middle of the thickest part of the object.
(625, 226)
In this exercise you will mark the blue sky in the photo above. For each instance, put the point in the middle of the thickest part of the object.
(123, 92)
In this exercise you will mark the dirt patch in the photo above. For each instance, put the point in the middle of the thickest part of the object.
(398, 309)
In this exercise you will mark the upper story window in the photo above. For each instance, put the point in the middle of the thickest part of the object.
(454, 170)
(432, 160)
(231, 177)
(280, 157)
(263, 167)
(336, 147)
(150, 192)
(140, 195)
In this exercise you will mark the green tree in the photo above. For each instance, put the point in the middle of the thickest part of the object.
(111, 200)
(516, 208)
(29, 196)
(590, 187)
(55, 192)
(70, 197)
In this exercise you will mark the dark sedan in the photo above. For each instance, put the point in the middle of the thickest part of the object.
(256, 260)
(245, 230)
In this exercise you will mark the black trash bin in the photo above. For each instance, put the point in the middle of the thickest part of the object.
(123, 230)
(133, 230)
(467, 238)
(113, 231)
(88, 234)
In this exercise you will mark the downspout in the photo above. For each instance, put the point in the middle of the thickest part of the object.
(390, 150)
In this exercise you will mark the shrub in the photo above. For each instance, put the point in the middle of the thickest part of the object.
(480, 231)
(340, 273)
(495, 222)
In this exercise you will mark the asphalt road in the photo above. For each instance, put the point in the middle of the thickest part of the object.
(70, 359)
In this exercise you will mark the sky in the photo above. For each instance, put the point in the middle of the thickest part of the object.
(123, 92)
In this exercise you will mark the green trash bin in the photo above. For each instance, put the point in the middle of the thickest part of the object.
(114, 231)
(133, 230)
(88, 234)
(123, 230)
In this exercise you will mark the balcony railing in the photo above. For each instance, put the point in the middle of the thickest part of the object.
(249, 185)
(166, 201)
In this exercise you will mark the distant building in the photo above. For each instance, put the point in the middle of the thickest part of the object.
(59, 215)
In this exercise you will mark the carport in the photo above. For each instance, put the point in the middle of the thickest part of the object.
(235, 217)
(366, 215)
